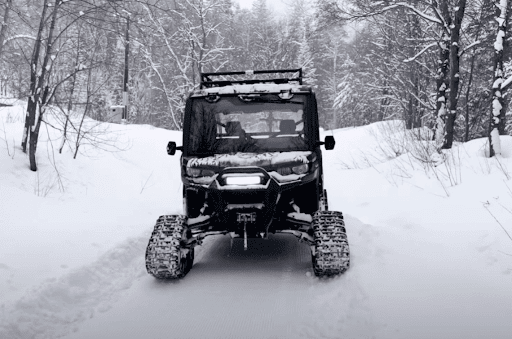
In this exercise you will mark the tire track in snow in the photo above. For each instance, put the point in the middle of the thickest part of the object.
(341, 303)
(58, 306)
(264, 292)
(267, 291)
(239, 294)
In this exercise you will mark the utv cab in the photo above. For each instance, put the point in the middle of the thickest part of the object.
(251, 165)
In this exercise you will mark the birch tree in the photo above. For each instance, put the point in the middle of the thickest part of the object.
(454, 25)
(497, 125)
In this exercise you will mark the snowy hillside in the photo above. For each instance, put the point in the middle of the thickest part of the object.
(431, 253)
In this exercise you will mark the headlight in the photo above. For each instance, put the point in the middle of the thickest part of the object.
(207, 173)
(193, 172)
(301, 169)
(197, 172)
(243, 181)
(284, 170)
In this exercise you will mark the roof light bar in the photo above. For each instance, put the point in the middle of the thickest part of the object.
(207, 82)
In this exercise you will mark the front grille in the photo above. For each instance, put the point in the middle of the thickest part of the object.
(241, 197)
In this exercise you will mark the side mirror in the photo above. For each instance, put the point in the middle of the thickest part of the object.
(171, 148)
(329, 142)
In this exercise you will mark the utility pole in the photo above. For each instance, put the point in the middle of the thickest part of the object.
(125, 85)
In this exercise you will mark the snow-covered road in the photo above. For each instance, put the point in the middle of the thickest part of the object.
(417, 288)
(264, 292)
(411, 291)
(427, 260)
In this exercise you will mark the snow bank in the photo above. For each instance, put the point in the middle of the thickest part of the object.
(72, 210)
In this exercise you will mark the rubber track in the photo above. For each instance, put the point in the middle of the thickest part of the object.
(332, 254)
(163, 259)
(324, 204)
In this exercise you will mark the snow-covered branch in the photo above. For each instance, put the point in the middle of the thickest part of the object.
(506, 84)
(436, 19)
(415, 10)
(471, 45)
(19, 36)
(421, 52)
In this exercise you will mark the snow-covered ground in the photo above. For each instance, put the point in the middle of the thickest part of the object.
(430, 253)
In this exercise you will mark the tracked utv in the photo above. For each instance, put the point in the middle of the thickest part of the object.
(251, 166)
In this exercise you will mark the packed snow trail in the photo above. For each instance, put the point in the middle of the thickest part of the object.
(409, 290)
(264, 292)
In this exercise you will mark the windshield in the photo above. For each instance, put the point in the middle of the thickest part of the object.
(246, 123)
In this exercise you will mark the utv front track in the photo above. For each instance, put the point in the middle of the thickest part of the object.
(166, 258)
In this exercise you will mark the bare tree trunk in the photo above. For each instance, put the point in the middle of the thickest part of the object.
(417, 110)
(70, 100)
(497, 125)
(409, 113)
(384, 102)
(411, 35)
(126, 73)
(34, 132)
(454, 72)
(34, 95)
(4, 22)
(415, 80)
(79, 134)
(470, 81)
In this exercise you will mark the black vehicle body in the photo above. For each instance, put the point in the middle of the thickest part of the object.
(251, 162)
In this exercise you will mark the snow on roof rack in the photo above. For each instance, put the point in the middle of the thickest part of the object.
(207, 82)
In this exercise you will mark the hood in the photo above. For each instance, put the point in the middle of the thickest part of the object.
(251, 159)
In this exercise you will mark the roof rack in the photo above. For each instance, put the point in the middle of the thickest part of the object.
(207, 82)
